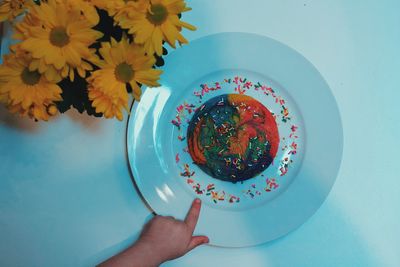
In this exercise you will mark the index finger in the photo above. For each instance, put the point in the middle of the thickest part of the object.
(193, 214)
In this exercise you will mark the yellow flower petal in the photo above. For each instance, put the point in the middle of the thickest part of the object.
(157, 40)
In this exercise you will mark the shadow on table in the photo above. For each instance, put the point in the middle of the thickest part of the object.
(16, 122)
(88, 122)
(27, 125)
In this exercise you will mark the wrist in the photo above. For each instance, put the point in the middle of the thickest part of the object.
(146, 252)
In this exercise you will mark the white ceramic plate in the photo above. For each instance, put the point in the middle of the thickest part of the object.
(278, 199)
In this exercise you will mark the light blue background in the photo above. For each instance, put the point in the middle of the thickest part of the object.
(66, 198)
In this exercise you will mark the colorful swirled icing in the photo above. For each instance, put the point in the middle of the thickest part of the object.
(233, 137)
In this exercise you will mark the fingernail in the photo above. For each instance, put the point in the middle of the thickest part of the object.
(197, 201)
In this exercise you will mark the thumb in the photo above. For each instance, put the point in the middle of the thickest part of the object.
(197, 241)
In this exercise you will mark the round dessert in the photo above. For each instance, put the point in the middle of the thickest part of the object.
(233, 137)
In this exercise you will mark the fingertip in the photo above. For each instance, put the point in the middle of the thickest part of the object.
(204, 240)
(193, 214)
(198, 241)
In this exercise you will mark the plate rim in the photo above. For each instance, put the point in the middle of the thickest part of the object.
(330, 93)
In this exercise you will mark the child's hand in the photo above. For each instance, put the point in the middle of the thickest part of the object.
(162, 239)
(168, 238)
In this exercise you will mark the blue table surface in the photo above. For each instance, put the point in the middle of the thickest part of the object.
(66, 195)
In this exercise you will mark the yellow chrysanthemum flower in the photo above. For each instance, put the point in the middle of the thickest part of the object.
(114, 6)
(27, 92)
(123, 63)
(88, 7)
(111, 105)
(58, 39)
(10, 9)
(111, 6)
(152, 21)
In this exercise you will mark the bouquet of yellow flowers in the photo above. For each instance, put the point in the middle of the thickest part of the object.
(87, 54)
